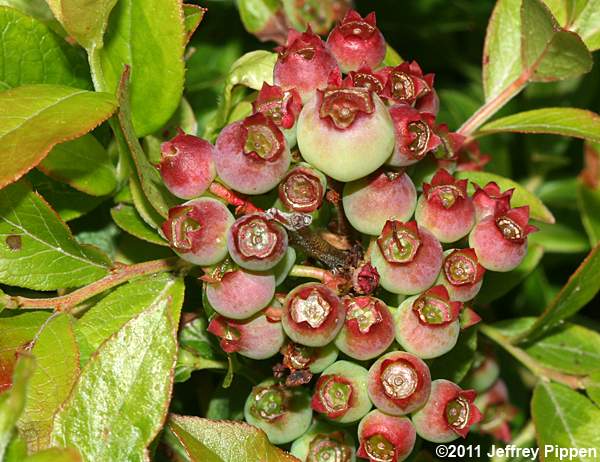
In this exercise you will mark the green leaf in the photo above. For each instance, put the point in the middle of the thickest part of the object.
(559, 238)
(564, 121)
(13, 401)
(150, 216)
(588, 200)
(35, 8)
(121, 305)
(38, 250)
(593, 387)
(32, 53)
(566, 419)
(83, 164)
(521, 196)
(55, 455)
(123, 393)
(192, 17)
(221, 440)
(392, 58)
(587, 24)
(549, 52)
(501, 57)
(455, 364)
(149, 37)
(196, 351)
(581, 287)
(57, 368)
(127, 218)
(256, 15)
(64, 113)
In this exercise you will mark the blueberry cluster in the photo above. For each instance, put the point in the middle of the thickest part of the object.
(329, 148)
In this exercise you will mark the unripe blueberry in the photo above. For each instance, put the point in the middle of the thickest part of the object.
(357, 41)
(406, 84)
(365, 77)
(427, 325)
(304, 64)
(187, 166)
(282, 107)
(324, 443)
(282, 413)
(197, 230)
(399, 383)
(461, 274)
(445, 208)
(371, 201)
(256, 243)
(414, 135)
(255, 338)
(341, 392)
(302, 189)
(407, 257)
(368, 329)
(296, 356)
(312, 314)
(385, 438)
(240, 293)
(448, 413)
(487, 198)
(500, 240)
(252, 155)
(340, 125)
(484, 373)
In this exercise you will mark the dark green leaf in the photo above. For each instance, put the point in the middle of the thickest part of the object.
(64, 113)
(37, 250)
(192, 15)
(455, 364)
(588, 200)
(127, 218)
(559, 238)
(196, 351)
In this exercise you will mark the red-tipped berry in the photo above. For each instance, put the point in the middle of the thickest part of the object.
(406, 84)
(486, 199)
(302, 189)
(282, 107)
(461, 274)
(414, 135)
(385, 438)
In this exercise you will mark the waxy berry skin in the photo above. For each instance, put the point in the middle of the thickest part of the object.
(282, 413)
(412, 259)
(356, 42)
(461, 274)
(486, 199)
(312, 314)
(399, 383)
(252, 155)
(500, 240)
(302, 189)
(240, 293)
(255, 338)
(448, 413)
(371, 201)
(445, 208)
(368, 329)
(427, 325)
(256, 242)
(324, 442)
(346, 132)
(197, 230)
(187, 166)
(303, 64)
(385, 437)
(341, 393)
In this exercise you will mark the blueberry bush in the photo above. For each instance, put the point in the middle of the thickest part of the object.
(299, 230)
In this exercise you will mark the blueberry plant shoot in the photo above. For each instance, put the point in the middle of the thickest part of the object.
(299, 230)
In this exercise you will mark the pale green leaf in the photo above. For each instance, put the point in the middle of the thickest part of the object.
(128, 219)
(35, 8)
(220, 440)
(592, 387)
(55, 455)
(37, 250)
(566, 419)
(123, 393)
(32, 53)
(559, 238)
(587, 24)
(33, 118)
(392, 58)
(192, 17)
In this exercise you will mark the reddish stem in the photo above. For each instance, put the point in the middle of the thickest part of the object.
(243, 206)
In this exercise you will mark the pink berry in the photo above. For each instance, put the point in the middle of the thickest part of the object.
(399, 383)
(187, 166)
(445, 208)
(427, 325)
(487, 198)
(414, 135)
(340, 125)
(240, 294)
(500, 240)
(302, 189)
(368, 329)
(461, 274)
(448, 414)
(371, 201)
(255, 338)
(365, 77)
(312, 315)
(304, 64)
(252, 155)
(384, 437)
(282, 107)
(197, 230)
(357, 41)
(406, 84)
(256, 243)
(407, 257)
